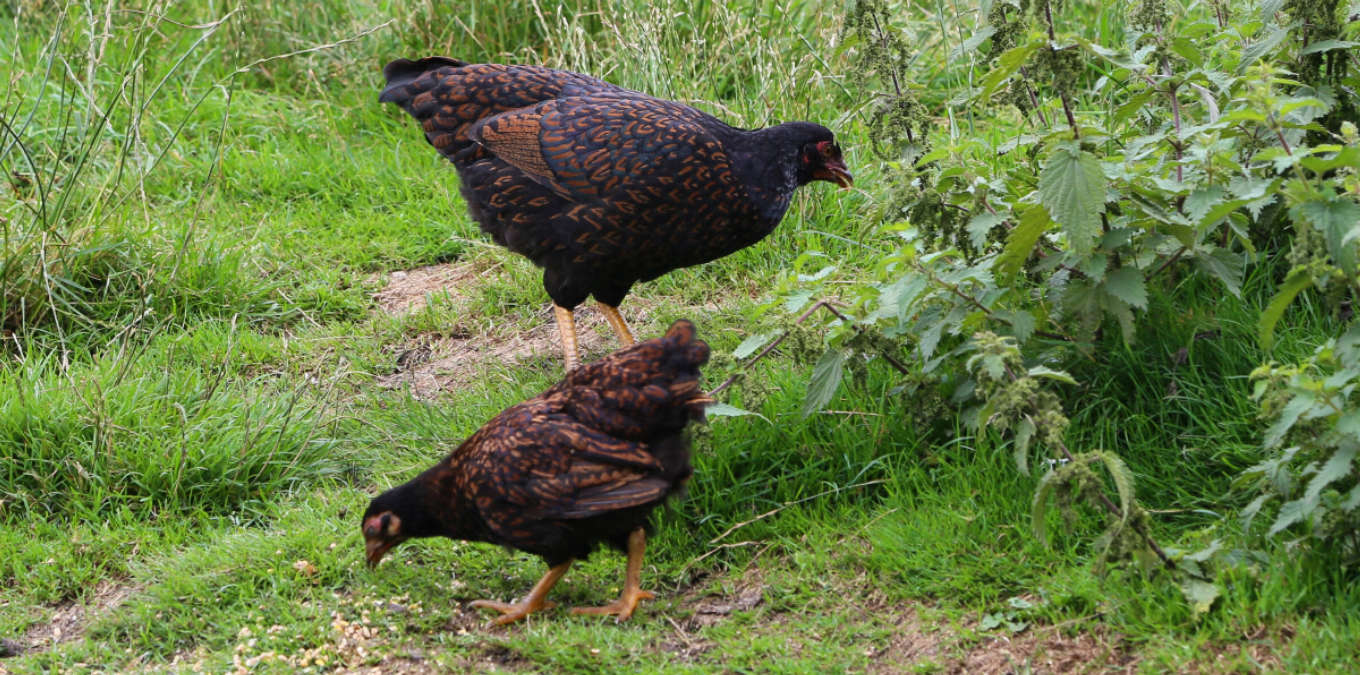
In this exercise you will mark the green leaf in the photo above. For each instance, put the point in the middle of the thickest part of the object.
(1327, 45)
(971, 44)
(1260, 48)
(1349, 425)
(1226, 266)
(1201, 594)
(1288, 417)
(1045, 371)
(1123, 481)
(1022, 323)
(1297, 280)
(1336, 218)
(1072, 188)
(1006, 65)
(1123, 314)
(750, 345)
(1034, 221)
(980, 225)
(1337, 467)
(1249, 512)
(1352, 500)
(1038, 511)
(1198, 203)
(826, 378)
(930, 338)
(1126, 283)
(796, 300)
(1024, 431)
(1290, 513)
(726, 410)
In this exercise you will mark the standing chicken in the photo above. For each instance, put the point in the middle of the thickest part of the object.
(600, 186)
(583, 463)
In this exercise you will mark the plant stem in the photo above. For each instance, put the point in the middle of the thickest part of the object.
(820, 304)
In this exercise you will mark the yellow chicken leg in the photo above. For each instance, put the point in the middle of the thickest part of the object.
(632, 586)
(611, 314)
(534, 601)
(566, 326)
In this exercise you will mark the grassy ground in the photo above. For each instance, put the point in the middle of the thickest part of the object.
(199, 392)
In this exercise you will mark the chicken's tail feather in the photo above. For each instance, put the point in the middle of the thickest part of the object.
(649, 389)
(402, 72)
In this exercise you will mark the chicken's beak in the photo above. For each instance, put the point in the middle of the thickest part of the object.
(835, 172)
(375, 549)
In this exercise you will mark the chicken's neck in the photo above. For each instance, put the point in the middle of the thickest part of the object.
(768, 169)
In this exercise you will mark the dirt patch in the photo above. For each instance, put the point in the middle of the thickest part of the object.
(1258, 650)
(431, 364)
(1045, 651)
(410, 290)
(914, 642)
(71, 618)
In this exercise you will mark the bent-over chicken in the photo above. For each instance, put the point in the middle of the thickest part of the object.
(581, 464)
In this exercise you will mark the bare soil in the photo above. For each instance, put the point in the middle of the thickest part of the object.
(410, 290)
(70, 619)
(429, 364)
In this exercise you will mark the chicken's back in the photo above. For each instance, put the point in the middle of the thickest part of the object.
(646, 391)
(447, 96)
(588, 460)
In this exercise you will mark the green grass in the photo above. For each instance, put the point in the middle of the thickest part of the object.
(189, 402)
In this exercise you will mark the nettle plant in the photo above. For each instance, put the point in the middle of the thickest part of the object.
(1076, 172)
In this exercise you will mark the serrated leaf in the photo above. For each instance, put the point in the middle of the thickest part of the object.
(981, 225)
(1352, 500)
(971, 44)
(1024, 431)
(930, 338)
(796, 300)
(1250, 510)
(1038, 511)
(1201, 594)
(1072, 188)
(1349, 425)
(1126, 283)
(1327, 45)
(1006, 65)
(1034, 221)
(727, 410)
(1123, 314)
(826, 378)
(1226, 266)
(1210, 102)
(1336, 218)
(751, 344)
(1198, 203)
(1118, 57)
(818, 275)
(1289, 416)
(1290, 513)
(1134, 105)
(1204, 554)
(1022, 323)
(1250, 187)
(1337, 467)
(1046, 372)
(1297, 280)
(1123, 481)
(1260, 48)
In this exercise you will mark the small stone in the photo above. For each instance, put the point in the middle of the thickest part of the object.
(10, 648)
